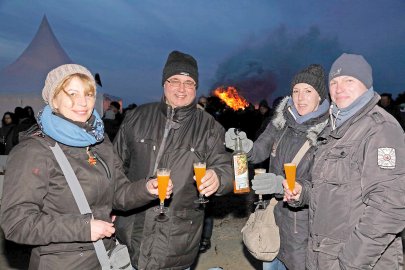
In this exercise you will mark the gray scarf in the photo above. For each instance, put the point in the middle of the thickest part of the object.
(322, 108)
(339, 116)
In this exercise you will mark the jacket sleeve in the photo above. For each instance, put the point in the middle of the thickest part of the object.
(129, 195)
(23, 218)
(219, 160)
(262, 146)
(383, 189)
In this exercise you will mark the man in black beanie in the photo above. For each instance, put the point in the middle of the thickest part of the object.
(171, 134)
(356, 198)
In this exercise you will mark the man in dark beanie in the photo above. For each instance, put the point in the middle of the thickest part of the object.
(295, 125)
(171, 134)
(356, 198)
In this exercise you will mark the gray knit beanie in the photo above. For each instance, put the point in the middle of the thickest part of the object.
(57, 75)
(313, 75)
(353, 65)
(179, 63)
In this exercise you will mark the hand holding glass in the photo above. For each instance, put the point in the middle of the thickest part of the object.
(290, 170)
(163, 176)
(199, 171)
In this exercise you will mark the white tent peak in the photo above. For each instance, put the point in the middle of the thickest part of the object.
(28, 72)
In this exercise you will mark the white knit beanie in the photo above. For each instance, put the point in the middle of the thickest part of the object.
(57, 75)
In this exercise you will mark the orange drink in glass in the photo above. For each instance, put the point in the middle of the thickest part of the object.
(163, 176)
(290, 170)
(199, 171)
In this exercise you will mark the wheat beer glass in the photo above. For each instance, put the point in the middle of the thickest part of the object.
(260, 204)
(199, 171)
(290, 170)
(163, 176)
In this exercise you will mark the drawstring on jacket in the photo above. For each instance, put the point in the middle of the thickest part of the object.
(168, 126)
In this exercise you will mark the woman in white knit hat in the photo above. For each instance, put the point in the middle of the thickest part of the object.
(38, 207)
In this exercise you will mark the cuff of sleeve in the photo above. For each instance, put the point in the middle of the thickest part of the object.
(86, 226)
(145, 194)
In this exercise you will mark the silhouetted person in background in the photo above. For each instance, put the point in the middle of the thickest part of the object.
(25, 121)
(6, 133)
(112, 120)
(387, 104)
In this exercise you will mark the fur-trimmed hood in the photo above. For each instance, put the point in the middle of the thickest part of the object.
(279, 121)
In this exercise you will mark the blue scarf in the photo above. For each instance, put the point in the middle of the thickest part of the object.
(341, 115)
(69, 133)
(322, 109)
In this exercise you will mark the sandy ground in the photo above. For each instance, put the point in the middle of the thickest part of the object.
(227, 249)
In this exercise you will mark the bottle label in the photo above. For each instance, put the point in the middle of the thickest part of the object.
(241, 172)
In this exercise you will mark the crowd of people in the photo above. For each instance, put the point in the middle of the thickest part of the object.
(346, 210)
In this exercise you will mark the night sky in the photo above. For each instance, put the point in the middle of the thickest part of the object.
(256, 45)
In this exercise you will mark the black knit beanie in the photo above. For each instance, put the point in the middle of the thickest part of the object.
(179, 63)
(313, 75)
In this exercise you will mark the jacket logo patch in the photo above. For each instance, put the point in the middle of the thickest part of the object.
(386, 158)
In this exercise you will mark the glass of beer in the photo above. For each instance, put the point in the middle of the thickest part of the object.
(199, 171)
(290, 170)
(163, 176)
(261, 204)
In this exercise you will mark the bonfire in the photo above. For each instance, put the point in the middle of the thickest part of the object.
(231, 98)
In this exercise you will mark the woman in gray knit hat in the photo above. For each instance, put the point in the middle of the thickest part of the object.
(298, 118)
(38, 206)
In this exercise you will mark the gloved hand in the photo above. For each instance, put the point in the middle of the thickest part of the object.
(268, 183)
(230, 140)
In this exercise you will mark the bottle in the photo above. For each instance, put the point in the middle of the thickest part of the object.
(240, 168)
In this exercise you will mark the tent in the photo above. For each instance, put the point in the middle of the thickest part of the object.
(21, 82)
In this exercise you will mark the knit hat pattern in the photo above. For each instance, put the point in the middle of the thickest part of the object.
(57, 75)
(353, 65)
(179, 63)
(313, 75)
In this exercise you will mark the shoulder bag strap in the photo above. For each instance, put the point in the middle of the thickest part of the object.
(303, 150)
(80, 199)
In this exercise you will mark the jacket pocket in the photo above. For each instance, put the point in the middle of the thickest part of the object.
(185, 232)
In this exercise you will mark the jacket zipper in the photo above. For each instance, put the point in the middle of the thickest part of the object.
(102, 162)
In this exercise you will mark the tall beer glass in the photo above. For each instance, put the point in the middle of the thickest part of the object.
(199, 171)
(290, 170)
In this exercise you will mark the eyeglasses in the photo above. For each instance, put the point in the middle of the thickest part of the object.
(177, 83)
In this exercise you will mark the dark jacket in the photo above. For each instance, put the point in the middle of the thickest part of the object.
(357, 205)
(38, 207)
(282, 140)
(191, 135)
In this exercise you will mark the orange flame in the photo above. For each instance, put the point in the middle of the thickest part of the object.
(231, 98)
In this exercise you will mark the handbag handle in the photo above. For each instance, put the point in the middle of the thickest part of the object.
(304, 148)
(80, 199)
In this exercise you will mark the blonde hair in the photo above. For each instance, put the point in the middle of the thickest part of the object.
(89, 85)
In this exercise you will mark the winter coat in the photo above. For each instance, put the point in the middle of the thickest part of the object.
(38, 207)
(156, 135)
(357, 206)
(282, 140)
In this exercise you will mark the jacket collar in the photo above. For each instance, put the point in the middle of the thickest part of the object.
(180, 113)
(312, 127)
(340, 132)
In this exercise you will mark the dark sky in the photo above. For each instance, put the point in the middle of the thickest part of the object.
(258, 45)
